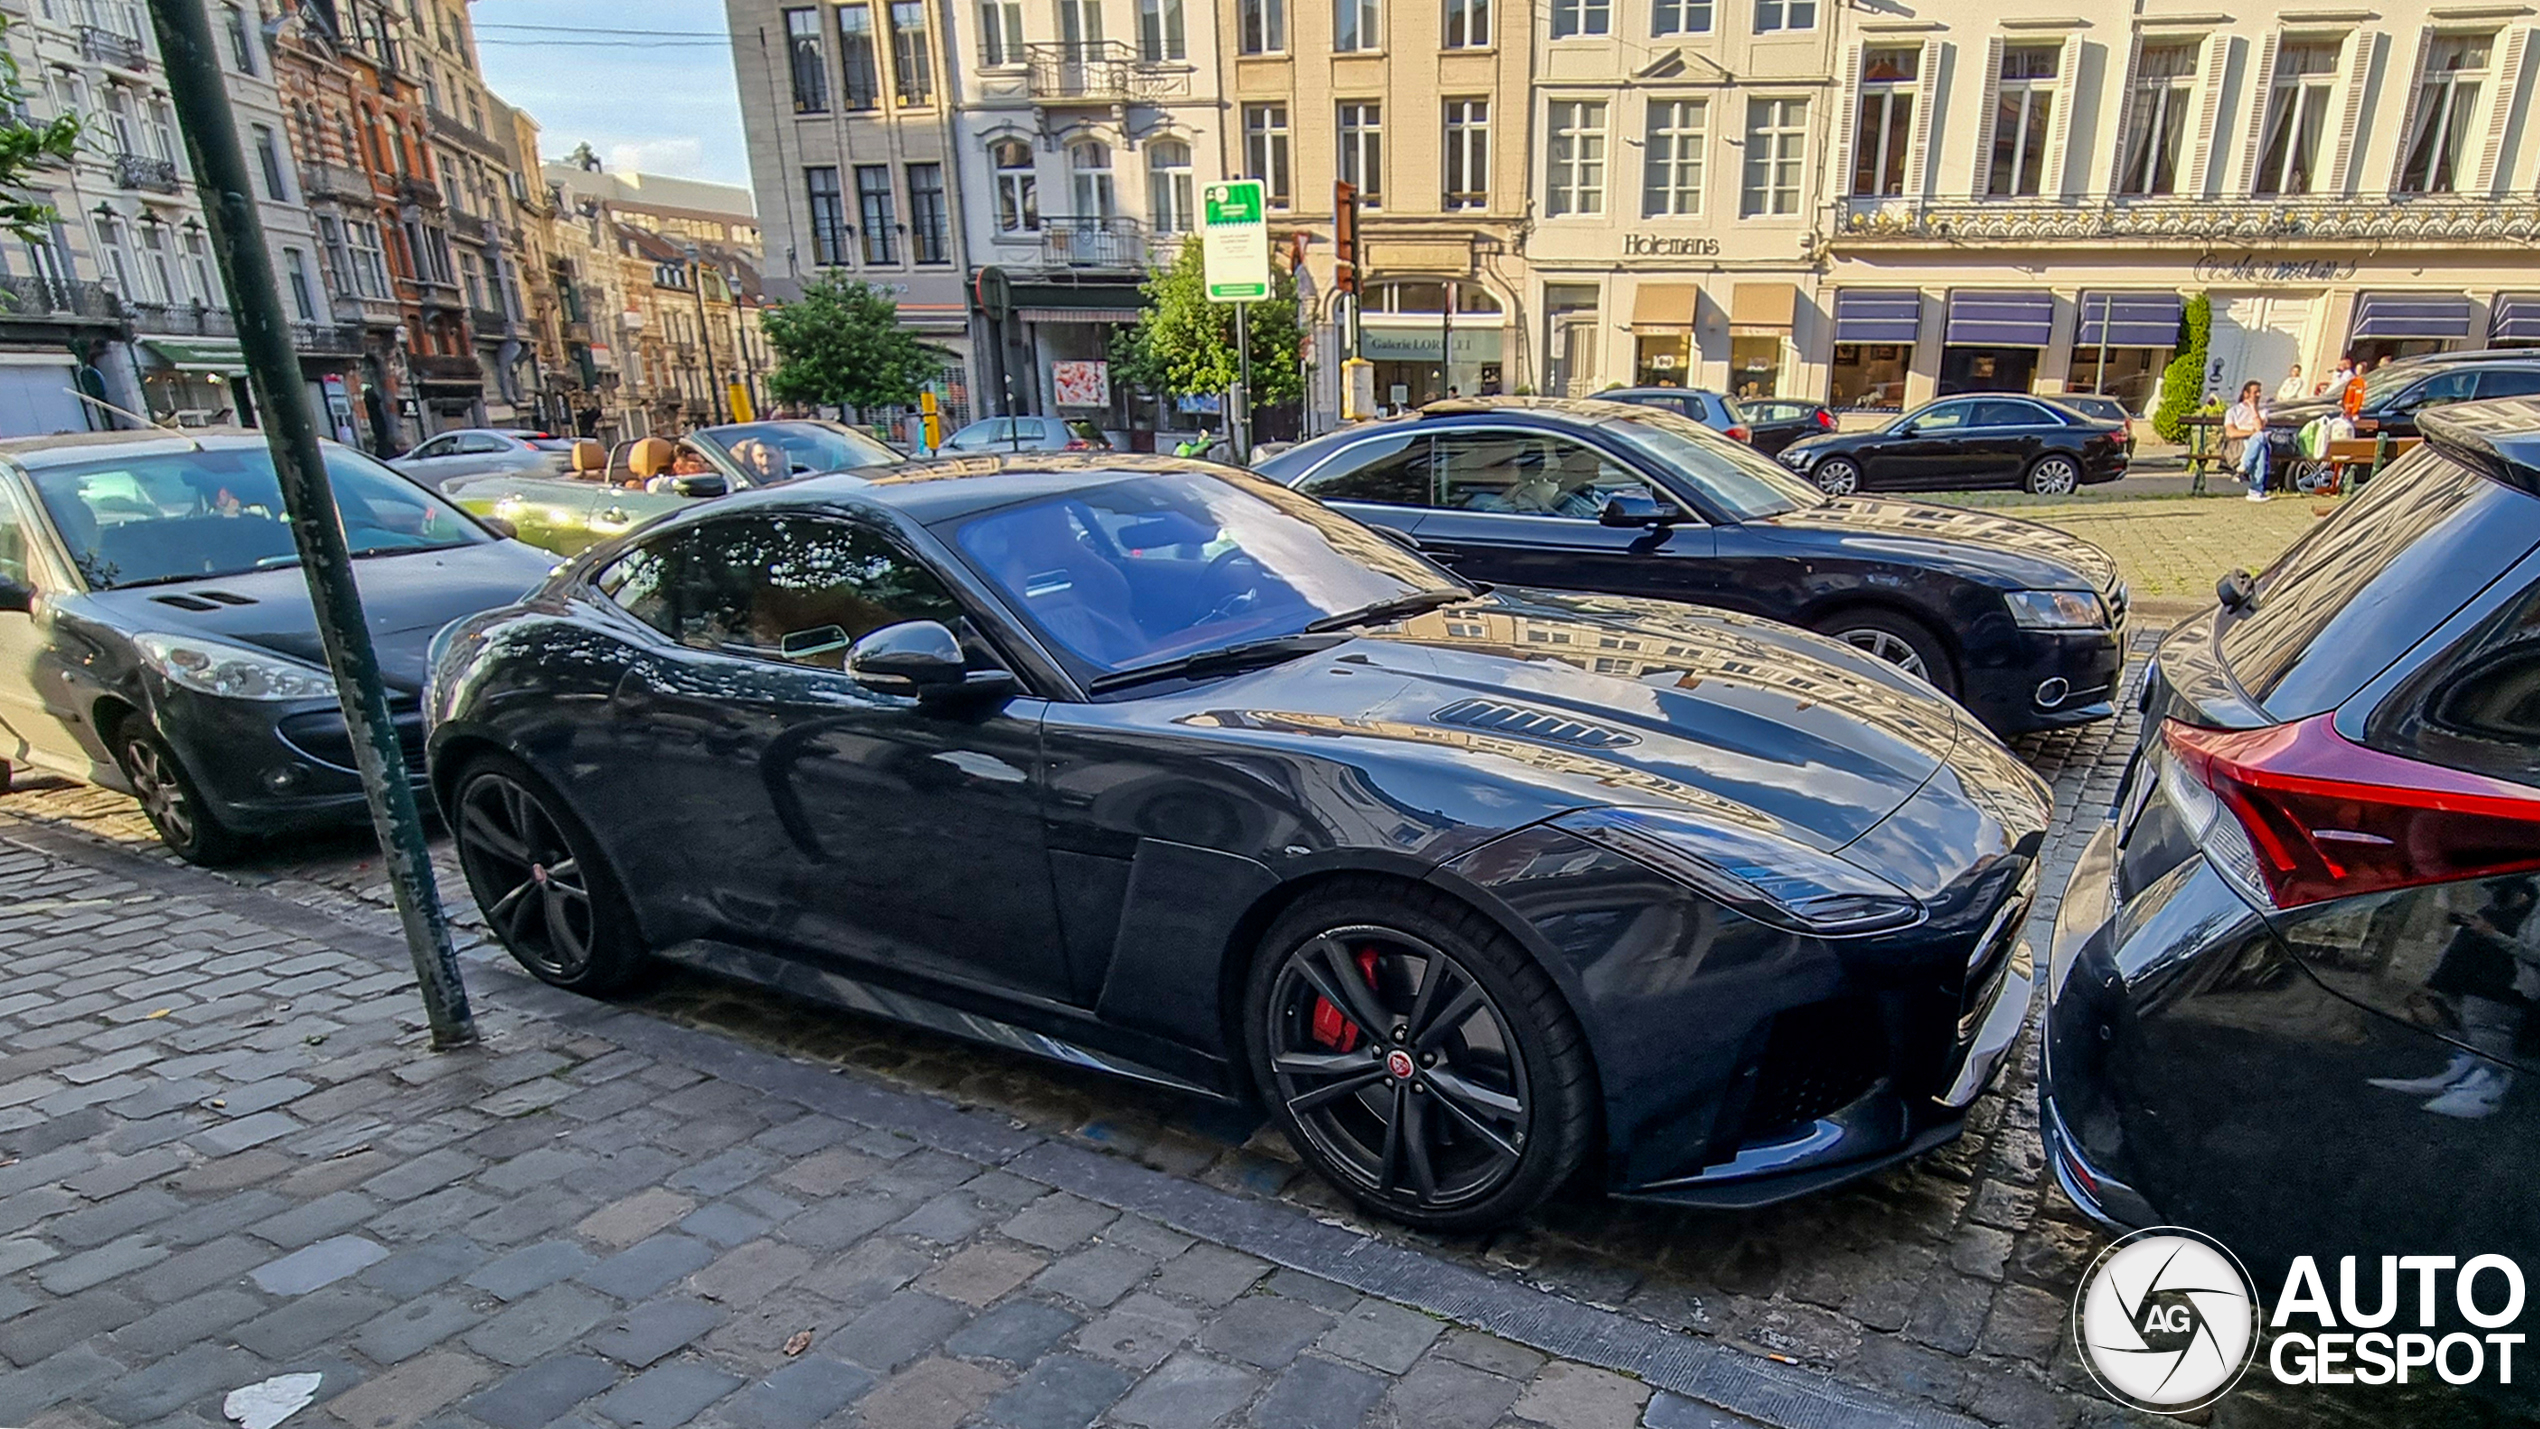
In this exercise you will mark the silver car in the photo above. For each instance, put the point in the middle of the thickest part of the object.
(485, 451)
(1027, 434)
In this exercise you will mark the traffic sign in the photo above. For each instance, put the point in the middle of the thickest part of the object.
(1235, 242)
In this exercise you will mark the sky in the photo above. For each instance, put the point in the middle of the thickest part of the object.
(628, 77)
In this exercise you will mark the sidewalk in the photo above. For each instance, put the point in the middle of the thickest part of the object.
(225, 1155)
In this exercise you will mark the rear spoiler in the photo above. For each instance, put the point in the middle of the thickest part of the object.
(2499, 440)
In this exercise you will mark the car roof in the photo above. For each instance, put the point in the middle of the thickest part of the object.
(36, 453)
(2500, 438)
(948, 488)
(1617, 393)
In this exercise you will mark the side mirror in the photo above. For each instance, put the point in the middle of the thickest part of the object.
(700, 486)
(500, 527)
(16, 596)
(2236, 591)
(1636, 511)
(920, 659)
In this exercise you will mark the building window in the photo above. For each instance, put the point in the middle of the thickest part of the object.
(856, 58)
(811, 75)
(1671, 181)
(370, 261)
(1467, 153)
(295, 271)
(1884, 123)
(1680, 17)
(828, 218)
(1169, 185)
(1001, 33)
(910, 63)
(1080, 28)
(1773, 15)
(1576, 158)
(2446, 113)
(930, 219)
(472, 277)
(2156, 119)
(1362, 133)
(2297, 113)
(873, 205)
(1161, 31)
(242, 50)
(1264, 26)
(1869, 376)
(269, 161)
(1776, 143)
(2023, 105)
(1467, 24)
(1355, 26)
(1018, 186)
(198, 256)
(1266, 149)
(1089, 175)
(1581, 17)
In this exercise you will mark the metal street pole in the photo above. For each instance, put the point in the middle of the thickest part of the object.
(1239, 421)
(238, 238)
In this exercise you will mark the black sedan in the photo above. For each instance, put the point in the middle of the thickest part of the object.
(2292, 982)
(2023, 624)
(1162, 768)
(1985, 439)
(156, 635)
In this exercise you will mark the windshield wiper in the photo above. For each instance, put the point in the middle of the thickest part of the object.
(1225, 659)
(1398, 608)
(405, 550)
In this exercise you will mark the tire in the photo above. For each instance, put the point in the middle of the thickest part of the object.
(1836, 476)
(1900, 640)
(170, 799)
(2053, 474)
(1522, 1109)
(538, 876)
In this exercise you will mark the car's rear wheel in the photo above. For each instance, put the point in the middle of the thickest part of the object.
(541, 881)
(170, 798)
(2054, 475)
(1836, 476)
(1416, 1057)
(1900, 641)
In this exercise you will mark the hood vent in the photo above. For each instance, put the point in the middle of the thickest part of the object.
(204, 599)
(185, 602)
(1517, 720)
(227, 597)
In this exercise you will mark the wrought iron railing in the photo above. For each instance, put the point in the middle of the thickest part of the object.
(140, 171)
(2376, 218)
(442, 367)
(99, 45)
(181, 319)
(40, 297)
(1093, 243)
(1100, 71)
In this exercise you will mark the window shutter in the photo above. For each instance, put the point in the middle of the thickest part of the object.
(2125, 110)
(1918, 147)
(2246, 180)
(1988, 113)
(2360, 48)
(2500, 106)
(1849, 121)
(2208, 110)
(2059, 125)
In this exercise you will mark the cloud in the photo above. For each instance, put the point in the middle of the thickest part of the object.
(672, 158)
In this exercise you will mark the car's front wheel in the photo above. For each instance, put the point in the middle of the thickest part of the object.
(1836, 476)
(542, 883)
(1416, 1056)
(1900, 641)
(2054, 475)
(170, 798)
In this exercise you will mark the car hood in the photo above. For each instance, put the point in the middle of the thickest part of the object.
(1554, 701)
(406, 600)
(1980, 545)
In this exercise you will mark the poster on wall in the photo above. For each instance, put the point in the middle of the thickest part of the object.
(1081, 384)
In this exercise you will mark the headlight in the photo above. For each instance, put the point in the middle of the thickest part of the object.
(1765, 877)
(1793, 456)
(234, 671)
(2057, 609)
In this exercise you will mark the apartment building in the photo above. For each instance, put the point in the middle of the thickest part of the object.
(2338, 180)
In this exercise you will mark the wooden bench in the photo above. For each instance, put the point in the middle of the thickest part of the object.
(2358, 458)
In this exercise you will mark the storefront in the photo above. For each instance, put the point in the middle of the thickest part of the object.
(1874, 334)
(1432, 339)
(196, 381)
(1994, 339)
(1761, 319)
(2389, 324)
(1662, 333)
(2123, 342)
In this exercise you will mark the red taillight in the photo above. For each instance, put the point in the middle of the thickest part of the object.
(1079, 444)
(1740, 434)
(1825, 419)
(2333, 819)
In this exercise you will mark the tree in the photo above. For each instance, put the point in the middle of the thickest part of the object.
(24, 147)
(582, 158)
(2183, 381)
(841, 344)
(1183, 345)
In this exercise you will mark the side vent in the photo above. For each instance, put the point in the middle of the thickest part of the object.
(1500, 718)
(227, 597)
(185, 602)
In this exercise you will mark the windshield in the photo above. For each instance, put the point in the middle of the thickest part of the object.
(139, 520)
(770, 452)
(1742, 482)
(2383, 383)
(1154, 567)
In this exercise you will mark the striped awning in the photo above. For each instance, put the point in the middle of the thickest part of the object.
(1077, 315)
(2128, 320)
(1877, 315)
(2516, 318)
(1987, 317)
(2423, 316)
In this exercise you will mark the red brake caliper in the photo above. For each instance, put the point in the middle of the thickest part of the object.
(1331, 1027)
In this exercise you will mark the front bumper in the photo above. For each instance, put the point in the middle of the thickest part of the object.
(268, 768)
(2047, 679)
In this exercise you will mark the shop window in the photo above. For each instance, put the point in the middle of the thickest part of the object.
(1755, 365)
(1662, 359)
(1870, 376)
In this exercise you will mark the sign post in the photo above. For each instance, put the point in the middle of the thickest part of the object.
(1235, 266)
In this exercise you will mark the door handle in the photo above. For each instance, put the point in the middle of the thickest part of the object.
(1443, 555)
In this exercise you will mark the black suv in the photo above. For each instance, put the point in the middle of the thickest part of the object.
(2394, 395)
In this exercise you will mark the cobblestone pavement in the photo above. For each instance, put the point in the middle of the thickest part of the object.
(2169, 544)
(605, 1219)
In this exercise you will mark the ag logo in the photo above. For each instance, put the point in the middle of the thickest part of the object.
(2166, 1320)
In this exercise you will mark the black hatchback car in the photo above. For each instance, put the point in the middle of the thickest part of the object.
(2295, 982)
(2021, 623)
(1979, 440)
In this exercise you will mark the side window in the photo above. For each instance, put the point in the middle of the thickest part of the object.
(438, 446)
(2440, 391)
(2507, 382)
(781, 587)
(1531, 474)
(1999, 413)
(13, 563)
(1948, 417)
(479, 444)
(2477, 706)
(1392, 470)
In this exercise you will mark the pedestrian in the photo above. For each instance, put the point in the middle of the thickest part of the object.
(2290, 389)
(2351, 390)
(2246, 425)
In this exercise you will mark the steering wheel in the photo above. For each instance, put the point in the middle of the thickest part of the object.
(1220, 572)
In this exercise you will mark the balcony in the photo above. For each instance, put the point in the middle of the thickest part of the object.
(1101, 72)
(34, 298)
(490, 322)
(327, 339)
(140, 171)
(320, 180)
(181, 320)
(99, 45)
(577, 331)
(2103, 219)
(1109, 243)
(436, 367)
(415, 191)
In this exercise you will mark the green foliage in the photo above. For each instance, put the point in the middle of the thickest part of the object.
(1183, 345)
(2183, 381)
(841, 344)
(23, 148)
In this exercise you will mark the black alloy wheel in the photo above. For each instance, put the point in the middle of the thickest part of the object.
(170, 799)
(540, 884)
(1418, 1059)
(1900, 641)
